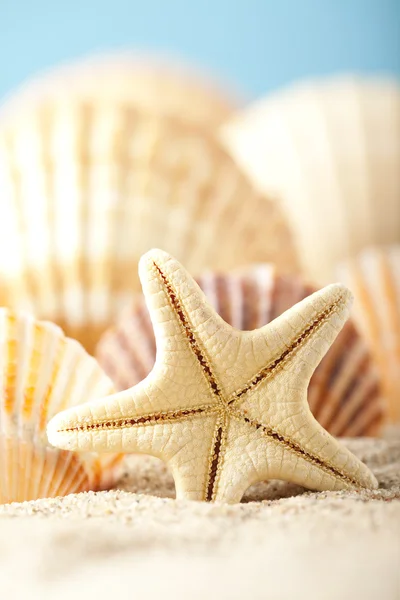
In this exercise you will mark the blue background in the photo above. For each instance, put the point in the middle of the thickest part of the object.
(257, 45)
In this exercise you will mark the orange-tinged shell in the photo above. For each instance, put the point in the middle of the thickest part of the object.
(43, 372)
(374, 278)
(87, 188)
(343, 393)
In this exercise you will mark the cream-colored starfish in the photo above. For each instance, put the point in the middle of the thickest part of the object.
(224, 408)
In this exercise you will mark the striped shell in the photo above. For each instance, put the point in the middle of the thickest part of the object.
(150, 83)
(374, 278)
(343, 393)
(87, 188)
(43, 372)
(329, 150)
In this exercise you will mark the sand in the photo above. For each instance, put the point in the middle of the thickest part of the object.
(281, 542)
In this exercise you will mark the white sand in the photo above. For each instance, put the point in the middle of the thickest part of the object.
(281, 543)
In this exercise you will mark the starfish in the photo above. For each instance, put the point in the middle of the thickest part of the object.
(224, 408)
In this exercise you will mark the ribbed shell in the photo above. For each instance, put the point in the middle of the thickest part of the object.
(43, 372)
(329, 150)
(145, 82)
(86, 189)
(374, 278)
(343, 393)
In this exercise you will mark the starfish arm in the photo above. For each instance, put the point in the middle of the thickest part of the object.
(292, 346)
(175, 301)
(251, 456)
(182, 438)
(191, 465)
(135, 420)
(277, 396)
(182, 317)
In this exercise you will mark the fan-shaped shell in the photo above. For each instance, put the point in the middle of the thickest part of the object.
(374, 278)
(157, 85)
(330, 152)
(343, 393)
(86, 189)
(42, 372)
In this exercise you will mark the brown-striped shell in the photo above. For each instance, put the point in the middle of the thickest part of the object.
(374, 278)
(344, 394)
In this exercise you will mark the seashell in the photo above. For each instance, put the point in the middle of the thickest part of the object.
(88, 188)
(150, 83)
(42, 373)
(330, 152)
(374, 278)
(343, 393)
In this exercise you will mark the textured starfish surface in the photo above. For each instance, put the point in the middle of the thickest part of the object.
(224, 408)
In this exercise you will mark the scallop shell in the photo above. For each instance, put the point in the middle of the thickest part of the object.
(374, 278)
(343, 393)
(154, 84)
(42, 372)
(330, 152)
(86, 189)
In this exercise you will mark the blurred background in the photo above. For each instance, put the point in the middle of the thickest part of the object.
(256, 45)
(103, 160)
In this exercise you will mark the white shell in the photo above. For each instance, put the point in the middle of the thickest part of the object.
(43, 372)
(374, 278)
(330, 151)
(87, 188)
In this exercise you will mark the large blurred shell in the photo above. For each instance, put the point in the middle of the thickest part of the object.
(154, 84)
(330, 151)
(374, 278)
(87, 188)
(343, 393)
(43, 372)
